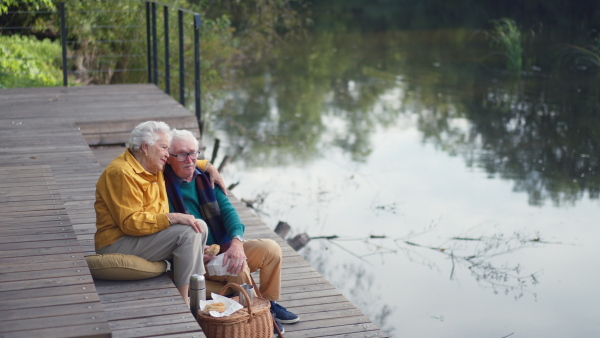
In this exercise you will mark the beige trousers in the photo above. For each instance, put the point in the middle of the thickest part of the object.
(263, 255)
(178, 242)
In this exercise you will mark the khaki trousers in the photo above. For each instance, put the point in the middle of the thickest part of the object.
(178, 242)
(263, 255)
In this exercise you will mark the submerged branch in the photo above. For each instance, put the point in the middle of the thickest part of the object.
(506, 277)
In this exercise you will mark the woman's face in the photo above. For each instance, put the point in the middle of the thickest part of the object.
(157, 155)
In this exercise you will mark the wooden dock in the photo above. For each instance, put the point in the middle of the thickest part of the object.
(47, 222)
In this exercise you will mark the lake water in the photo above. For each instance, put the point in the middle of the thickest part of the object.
(464, 196)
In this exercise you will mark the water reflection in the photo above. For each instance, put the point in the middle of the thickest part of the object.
(480, 255)
(486, 257)
(539, 130)
(356, 282)
(308, 124)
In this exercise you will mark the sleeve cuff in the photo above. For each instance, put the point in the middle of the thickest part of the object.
(163, 221)
(202, 164)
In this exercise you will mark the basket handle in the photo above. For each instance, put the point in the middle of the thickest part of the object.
(272, 317)
(238, 288)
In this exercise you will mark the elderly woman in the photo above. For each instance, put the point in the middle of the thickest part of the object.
(132, 211)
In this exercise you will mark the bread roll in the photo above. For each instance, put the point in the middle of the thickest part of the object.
(212, 250)
(219, 307)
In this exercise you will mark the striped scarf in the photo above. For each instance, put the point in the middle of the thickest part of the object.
(209, 207)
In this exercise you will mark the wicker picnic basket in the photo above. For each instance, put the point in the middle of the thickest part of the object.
(255, 321)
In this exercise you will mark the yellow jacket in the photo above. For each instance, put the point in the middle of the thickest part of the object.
(130, 201)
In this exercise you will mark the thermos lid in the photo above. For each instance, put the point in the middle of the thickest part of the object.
(197, 282)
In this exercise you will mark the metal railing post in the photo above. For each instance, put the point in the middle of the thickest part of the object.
(148, 42)
(63, 42)
(181, 61)
(197, 25)
(167, 52)
(154, 46)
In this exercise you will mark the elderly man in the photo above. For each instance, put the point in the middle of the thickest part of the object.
(190, 192)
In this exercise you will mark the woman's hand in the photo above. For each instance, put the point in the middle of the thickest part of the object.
(185, 219)
(235, 256)
(215, 177)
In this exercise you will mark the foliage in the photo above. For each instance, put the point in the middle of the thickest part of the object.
(261, 23)
(219, 52)
(30, 13)
(506, 38)
(26, 4)
(394, 15)
(104, 40)
(24, 62)
(581, 58)
(329, 91)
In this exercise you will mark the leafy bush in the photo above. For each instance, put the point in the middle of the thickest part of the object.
(506, 37)
(28, 62)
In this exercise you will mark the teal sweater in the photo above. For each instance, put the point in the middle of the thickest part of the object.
(231, 220)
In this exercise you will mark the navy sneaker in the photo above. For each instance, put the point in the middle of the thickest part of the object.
(278, 325)
(283, 315)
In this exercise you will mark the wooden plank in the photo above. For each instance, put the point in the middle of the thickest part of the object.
(183, 316)
(32, 229)
(63, 294)
(86, 330)
(145, 312)
(106, 287)
(57, 217)
(51, 265)
(36, 323)
(55, 310)
(127, 125)
(69, 244)
(141, 303)
(52, 271)
(190, 329)
(41, 260)
(68, 249)
(42, 282)
(155, 293)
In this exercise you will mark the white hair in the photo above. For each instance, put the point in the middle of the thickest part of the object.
(148, 132)
(184, 135)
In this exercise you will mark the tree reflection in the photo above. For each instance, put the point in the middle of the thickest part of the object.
(479, 255)
(547, 144)
(356, 283)
(539, 129)
(482, 255)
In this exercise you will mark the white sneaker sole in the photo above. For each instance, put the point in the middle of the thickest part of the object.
(291, 321)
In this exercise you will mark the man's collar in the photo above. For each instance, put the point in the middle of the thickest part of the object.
(179, 180)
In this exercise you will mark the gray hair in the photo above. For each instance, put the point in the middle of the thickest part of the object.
(148, 132)
(184, 135)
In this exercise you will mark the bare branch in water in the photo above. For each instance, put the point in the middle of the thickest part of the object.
(478, 261)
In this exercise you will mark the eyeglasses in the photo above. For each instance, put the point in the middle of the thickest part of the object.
(183, 156)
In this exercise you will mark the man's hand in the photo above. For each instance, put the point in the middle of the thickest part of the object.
(215, 177)
(185, 219)
(235, 256)
(207, 258)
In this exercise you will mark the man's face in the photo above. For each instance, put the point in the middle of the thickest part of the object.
(183, 169)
